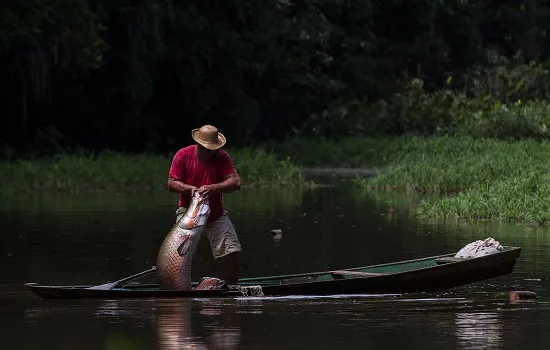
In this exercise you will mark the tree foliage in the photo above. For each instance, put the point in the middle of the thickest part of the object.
(139, 74)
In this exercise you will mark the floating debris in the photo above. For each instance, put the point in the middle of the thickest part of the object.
(277, 233)
(518, 295)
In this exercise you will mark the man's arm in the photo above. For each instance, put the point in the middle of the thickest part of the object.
(179, 186)
(231, 182)
(177, 171)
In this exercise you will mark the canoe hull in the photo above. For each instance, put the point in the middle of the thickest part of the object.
(443, 277)
(430, 274)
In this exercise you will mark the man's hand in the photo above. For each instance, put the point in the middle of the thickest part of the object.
(180, 187)
(207, 190)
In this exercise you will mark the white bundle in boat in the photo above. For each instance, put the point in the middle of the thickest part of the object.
(479, 248)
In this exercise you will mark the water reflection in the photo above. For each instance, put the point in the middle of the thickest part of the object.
(176, 330)
(174, 327)
(183, 323)
(38, 241)
(479, 330)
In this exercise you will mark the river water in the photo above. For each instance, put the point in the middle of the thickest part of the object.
(92, 239)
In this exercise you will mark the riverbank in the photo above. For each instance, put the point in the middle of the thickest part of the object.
(119, 172)
(473, 178)
(478, 178)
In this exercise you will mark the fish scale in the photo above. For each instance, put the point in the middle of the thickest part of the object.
(174, 259)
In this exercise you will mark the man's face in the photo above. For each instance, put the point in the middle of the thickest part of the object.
(205, 153)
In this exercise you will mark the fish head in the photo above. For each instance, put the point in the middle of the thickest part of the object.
(198, 212)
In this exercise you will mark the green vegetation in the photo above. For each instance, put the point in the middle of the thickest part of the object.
(120, 172)
(484, 147)
(507, 100)
(351, 151)
(136, 76)
(481, 178)
(260, 168)
(447, 97)
(85, 173)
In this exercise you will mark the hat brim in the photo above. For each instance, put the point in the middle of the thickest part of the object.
(209, 145)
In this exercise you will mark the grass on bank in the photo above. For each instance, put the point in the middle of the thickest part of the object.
(483, 178)
(119, 172)
(353, 152)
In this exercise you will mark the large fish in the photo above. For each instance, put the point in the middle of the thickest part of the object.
(176, 252)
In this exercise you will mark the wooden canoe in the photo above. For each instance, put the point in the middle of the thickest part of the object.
(428, 274)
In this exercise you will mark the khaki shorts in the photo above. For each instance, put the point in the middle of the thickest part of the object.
(220, 233)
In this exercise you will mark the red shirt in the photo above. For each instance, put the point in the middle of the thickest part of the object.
(187, 168)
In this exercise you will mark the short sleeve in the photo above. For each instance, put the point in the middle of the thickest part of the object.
(177, 168)
(225, 164)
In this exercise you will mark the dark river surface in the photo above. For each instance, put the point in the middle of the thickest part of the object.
(93, 239)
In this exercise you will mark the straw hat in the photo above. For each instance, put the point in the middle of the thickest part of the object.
(209, 137)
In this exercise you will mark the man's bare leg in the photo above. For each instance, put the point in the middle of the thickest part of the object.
(231, 267)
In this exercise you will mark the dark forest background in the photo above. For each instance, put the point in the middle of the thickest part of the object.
(138, 75)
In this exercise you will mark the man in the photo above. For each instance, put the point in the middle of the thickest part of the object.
(207, 168)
